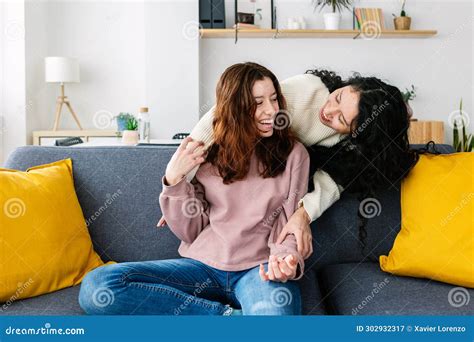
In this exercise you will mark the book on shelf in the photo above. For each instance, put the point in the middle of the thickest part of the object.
(364, 16)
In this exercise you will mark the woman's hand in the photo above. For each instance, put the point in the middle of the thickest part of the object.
(298, 225)
(279, 269)
(186, 158)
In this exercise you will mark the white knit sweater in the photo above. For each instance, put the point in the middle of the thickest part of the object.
(305, 95)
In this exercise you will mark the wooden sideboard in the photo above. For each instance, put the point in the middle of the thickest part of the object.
(421, 132)
(48, 138)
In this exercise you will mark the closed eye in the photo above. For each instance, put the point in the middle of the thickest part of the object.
(343, 120)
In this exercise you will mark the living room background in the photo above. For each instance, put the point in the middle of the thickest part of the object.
(123, 67)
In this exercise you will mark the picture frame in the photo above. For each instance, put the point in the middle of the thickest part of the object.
(262, 12)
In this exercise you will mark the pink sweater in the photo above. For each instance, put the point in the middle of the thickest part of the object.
(234, 227)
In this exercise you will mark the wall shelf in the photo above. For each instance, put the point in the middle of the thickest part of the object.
(272, 33)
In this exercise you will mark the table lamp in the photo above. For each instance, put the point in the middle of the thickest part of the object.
(62, 70)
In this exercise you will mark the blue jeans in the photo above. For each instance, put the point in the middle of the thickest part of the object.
(184, 287)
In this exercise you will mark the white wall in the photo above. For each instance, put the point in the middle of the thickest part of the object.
(13, 123)
(440, 67)
(108, 40)
(172, 66)
(146, 53)
(131, 54)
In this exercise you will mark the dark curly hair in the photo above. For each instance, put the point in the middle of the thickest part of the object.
(376, 154)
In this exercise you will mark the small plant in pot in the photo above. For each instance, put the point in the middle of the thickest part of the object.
(130, 134)
(332, 19)
(403, 22)
(122, 119)
(408, 95)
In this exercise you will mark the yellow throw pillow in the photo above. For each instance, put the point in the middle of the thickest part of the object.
(436, 240)
(44, 241)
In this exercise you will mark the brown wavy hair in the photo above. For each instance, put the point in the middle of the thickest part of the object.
(236, 135)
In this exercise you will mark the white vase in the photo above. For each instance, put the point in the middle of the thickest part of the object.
(332, 20)
(293, 24)
(302, 22)
(129, 137)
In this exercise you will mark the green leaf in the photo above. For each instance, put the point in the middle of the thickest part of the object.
(132, 124)
(455, 135)
(338, 5)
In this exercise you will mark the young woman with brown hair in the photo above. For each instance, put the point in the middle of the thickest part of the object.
(228, 216)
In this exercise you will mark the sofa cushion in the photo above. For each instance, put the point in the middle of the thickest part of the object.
(62, 302)
(118, 189)
(336, 232)
(311, 297)
(44, 240)
(363, 289)
(436, 238)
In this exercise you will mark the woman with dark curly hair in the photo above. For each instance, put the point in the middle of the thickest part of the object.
(356, 132)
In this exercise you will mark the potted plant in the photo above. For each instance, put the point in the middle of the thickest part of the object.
(463, 143)
(130, 134)
(408, 95)
(122, 119)
(332, 19)
(402, 22)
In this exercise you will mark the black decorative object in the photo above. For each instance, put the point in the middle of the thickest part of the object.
(212, 13)
(245, 18)
(68, 141)
(267, 10)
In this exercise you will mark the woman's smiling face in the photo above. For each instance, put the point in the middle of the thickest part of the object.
(340, 109)
(266, 99)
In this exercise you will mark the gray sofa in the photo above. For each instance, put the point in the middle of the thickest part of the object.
(339, 278)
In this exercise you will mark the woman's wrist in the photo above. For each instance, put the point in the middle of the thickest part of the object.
(304, 214)
(172, 180)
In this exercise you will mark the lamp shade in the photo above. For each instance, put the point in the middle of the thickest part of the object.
(61, 69)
